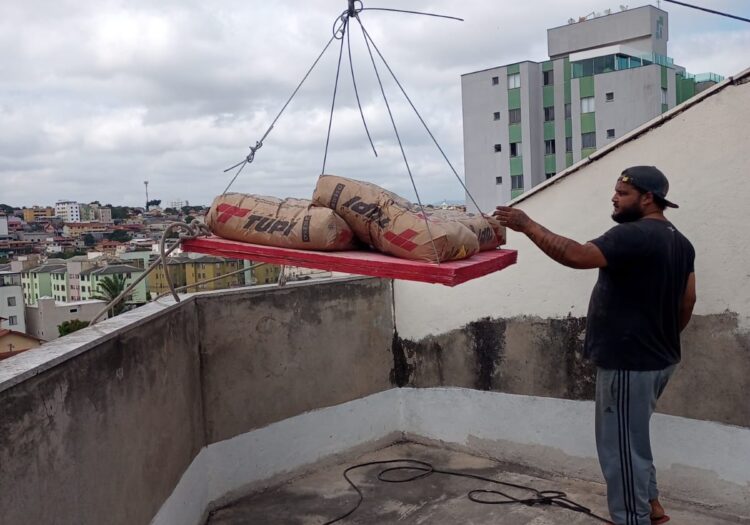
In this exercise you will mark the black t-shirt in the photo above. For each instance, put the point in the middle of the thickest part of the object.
(634, 312)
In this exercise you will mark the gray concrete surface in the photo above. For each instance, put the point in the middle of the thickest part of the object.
(435, 500)
(269, 356)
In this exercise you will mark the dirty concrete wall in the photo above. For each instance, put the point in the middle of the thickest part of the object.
(102, 425)
(270, 356)
(105, 436)
(703, 151)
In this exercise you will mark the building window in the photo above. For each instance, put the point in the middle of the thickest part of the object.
(514, 116)
(496, 115)
(548, 77)
(568, 144)
(74, 310)
(514, 81)
(609, 97)
(610, 133)
(495, 81)
(663, 96)
(549, 114)
(498, 148)
(12, 320)
(588, 140)
(587, 105)
(549, 147)
(11, 301)
(515, 149)
(498, 180)
(567, 110)
(549, 175)
(516, 182)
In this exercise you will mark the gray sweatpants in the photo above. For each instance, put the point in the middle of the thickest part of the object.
(625, 400)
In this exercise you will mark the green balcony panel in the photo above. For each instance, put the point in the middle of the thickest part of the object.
(513, 69)
(586, 87)
(516, 166)
(588, 122)
(664, 82)
(585, 152)
(568, 159)
(566, 69)
(515, 193)
(568, 127)
(514, 132)
(547, 66)
(548, 96)
(550, 165)
(566, 90)
(664, 107)
(685, 89)
(549, 130)
(514, 98)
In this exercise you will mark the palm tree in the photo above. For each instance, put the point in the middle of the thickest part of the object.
(110, 287)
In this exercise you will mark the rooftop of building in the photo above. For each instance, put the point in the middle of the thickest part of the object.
(112, 269)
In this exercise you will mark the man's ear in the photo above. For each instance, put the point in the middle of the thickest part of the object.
(647, 198)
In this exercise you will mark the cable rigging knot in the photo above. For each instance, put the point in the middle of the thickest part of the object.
(339, 25)
(251, 156)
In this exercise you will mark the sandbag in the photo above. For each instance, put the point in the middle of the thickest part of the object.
(392, 224)
(490, 233)
(288, 223)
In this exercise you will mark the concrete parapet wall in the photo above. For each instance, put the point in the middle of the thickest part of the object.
(100, 426)
(544, 357)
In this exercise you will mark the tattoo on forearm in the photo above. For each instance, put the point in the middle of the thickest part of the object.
(555, 246)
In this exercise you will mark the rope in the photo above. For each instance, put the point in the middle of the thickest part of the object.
(356, 93)
(424, 469)
(345, 18)
(195, 229)
(259, 143)
(398, 138)
(207, 281)
(426, 127)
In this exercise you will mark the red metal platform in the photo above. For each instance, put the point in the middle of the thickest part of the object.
(359, 262)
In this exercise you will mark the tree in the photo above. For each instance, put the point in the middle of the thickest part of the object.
(89, 240)
(109, 288)
(68, 327)
(154, 202)
(188, 219)
(119, 236)
(119, 212)
(7, 209)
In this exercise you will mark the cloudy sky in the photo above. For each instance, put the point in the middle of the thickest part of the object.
(98, 96)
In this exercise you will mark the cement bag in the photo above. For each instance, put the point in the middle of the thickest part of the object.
(289, 223)
(391, 224)
(490, 233)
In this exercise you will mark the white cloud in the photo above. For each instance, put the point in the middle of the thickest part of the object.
(96, 97)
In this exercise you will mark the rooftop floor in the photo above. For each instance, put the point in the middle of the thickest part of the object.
(438, 499)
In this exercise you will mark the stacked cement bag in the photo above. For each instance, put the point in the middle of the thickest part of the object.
(490, 233)
(289, 223)
(392, 224)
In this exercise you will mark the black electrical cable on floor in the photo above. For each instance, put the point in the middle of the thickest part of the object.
(422, 469)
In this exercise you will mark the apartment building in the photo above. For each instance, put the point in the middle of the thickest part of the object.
(68, 211)
(605, 76)
(38, 213)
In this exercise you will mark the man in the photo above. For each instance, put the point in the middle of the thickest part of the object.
(643, 299)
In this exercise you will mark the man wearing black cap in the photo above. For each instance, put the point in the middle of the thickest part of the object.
(641, 302)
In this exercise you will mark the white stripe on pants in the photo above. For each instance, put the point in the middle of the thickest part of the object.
(625, 401)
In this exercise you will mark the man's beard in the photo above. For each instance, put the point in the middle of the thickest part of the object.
(631, 214)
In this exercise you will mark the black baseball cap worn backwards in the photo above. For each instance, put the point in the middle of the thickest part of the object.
(648, 179)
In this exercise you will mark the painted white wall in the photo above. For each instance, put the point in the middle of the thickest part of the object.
(703, 151)
(700, 461)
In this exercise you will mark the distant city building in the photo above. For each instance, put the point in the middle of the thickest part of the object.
(38, 212)
(605, 76)
(13, 342)
(37, 281)
(44, 317)
(3, 225)
(68, 211)
(11, 300)
(91, 279)
(76, 229)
